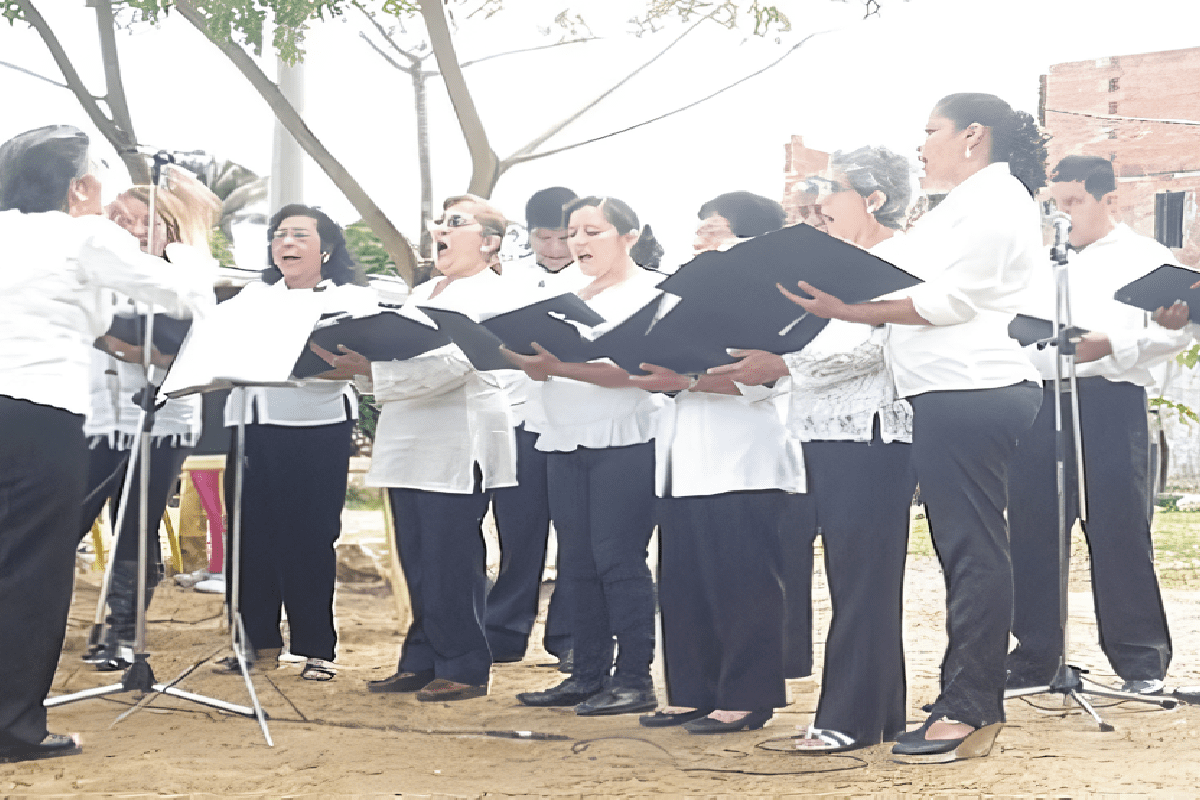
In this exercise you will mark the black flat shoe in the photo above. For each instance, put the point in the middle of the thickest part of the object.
(751, 722)
(568, 693)
(913, 748)
(661, 719)
(52, 746)
(402, 682)
(618, 700)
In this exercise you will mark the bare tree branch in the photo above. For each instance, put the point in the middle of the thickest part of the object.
(33, 74)
(512, 161)
(387, 37)
(121, 140)
(484, 161)
(405, 69)
(528, 50)
(114, 87)
(391, 238)
(536, 142)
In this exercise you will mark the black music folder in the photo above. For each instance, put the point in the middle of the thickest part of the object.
(544, 322)
(169, 332)
(1029, 330)
(1161, 288)
(386, 336)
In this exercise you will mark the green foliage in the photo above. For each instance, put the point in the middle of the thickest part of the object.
(1186, 414)
(368, 250)
(730, 13)
(221, 250)
(1190, 357)
(11, 11)
(244, 21)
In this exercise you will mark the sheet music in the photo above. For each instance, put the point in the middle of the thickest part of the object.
(255, 337)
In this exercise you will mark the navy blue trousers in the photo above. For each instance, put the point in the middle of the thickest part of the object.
(440, 540)
(602, 502)
(522, 515)
(1129, 607)
(43, 467)
(721, 592)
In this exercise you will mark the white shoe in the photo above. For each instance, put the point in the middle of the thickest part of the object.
(192, 578)
(1143, 687)
(213, 585)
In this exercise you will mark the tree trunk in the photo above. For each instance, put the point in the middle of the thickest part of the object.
(393, 241)
(484, 161)
(422, 109)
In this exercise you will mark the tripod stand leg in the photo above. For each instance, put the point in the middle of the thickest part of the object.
(232, 708)
(98, 691)
(1086, 706)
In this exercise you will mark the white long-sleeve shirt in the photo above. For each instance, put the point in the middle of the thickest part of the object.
(1094, 274)
(976, 253)
(53, 304)
(440, 417)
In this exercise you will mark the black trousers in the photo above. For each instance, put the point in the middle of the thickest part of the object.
(1129, 608)
(106, 477)
(797, 572)
(43, 466)
(602, 502)
(859, 496)
(440, 540)
(522, 515)
(295, 487)
(962, 444)
(721, 592)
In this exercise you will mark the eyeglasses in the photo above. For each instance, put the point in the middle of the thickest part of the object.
(450, 221)
(816, 185)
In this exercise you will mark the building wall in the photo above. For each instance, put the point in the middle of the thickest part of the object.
(1149, 158)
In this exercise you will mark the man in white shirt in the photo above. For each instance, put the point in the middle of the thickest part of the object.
(52, 277)
(522, 512)
(1113, 373)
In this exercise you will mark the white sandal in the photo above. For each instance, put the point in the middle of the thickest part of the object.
(830, 741)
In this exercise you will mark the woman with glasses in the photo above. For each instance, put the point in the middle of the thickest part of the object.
(444, 441)
(856, 435)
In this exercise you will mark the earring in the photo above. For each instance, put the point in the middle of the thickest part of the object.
(325, 258)
(968, 153)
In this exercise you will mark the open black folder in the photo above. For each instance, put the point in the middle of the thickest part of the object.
(386, 336)
(1161, 288)
(169, 332)
(539, 322)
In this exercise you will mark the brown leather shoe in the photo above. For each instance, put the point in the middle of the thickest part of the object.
(442, 689)
(402, 682)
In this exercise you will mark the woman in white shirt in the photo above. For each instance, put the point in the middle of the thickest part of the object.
(972, 389)
(856, 431)
(297, 457)
(52, 292)
(444, 441)
(599, 431)
(112, 424)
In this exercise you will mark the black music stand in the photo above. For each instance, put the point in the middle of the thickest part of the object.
(139, 676)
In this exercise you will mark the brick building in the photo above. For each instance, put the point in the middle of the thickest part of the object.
(1134, 110)
(799, 162)
(1105, 107)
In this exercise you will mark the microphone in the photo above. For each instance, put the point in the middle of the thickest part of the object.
(1062, 229)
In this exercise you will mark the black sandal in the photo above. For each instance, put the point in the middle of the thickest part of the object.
(914, 748)
(318, 669)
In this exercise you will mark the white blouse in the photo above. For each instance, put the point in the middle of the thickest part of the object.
(717, 443)
(976, 251)
(840, 382)
(440, 417)
(1094, 274)
(569, 414)
(53, 303)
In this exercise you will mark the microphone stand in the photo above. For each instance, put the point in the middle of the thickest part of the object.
(1068, 679)
(139, 676)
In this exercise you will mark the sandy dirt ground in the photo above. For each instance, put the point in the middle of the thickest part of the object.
(336, 740)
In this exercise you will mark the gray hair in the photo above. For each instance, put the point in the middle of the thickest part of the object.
(877, 169)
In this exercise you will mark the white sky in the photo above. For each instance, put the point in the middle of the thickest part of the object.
(863, 82)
